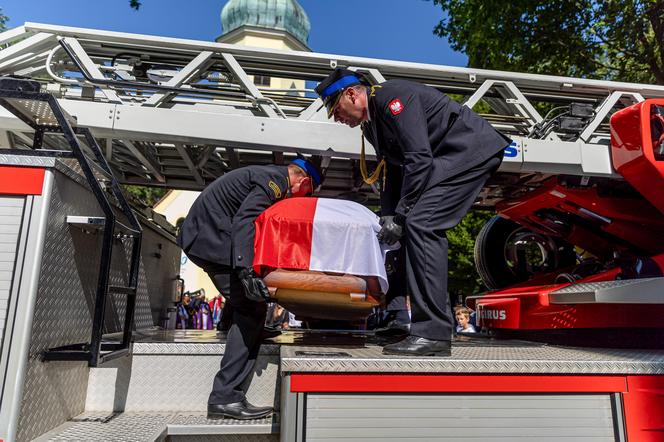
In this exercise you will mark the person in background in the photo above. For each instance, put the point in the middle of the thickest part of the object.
(203, 313)
(185, 313)
(277, 317)
(217, 307)
(462, 315)
(292, 322)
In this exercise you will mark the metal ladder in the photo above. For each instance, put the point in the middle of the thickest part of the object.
(44, 115)
(178, 113)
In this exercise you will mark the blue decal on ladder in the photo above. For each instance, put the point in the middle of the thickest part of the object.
(511, 151)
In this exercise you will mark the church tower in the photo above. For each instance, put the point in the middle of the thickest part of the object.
(273, 24)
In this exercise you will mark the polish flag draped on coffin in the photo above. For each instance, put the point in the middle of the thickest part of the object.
(320, 234)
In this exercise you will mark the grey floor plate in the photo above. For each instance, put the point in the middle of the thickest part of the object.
(149, 427)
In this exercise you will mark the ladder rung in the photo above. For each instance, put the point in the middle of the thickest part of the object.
(126, 228)
(121, 289)
(100, 170)
(105, 357)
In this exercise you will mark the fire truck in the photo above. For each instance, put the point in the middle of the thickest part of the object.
(573, 258)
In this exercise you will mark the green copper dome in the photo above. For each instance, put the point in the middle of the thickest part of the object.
(286, 15)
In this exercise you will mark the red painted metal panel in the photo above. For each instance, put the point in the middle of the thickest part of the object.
(527, 307)
(21, 180)
(644, 408)
(633, 149)
(420, 383)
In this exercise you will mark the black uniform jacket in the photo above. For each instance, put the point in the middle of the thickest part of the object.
(426, 138)
(220, 225)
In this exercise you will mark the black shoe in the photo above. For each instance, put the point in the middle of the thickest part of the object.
(393, 328)
(237, 410)
(416, 346)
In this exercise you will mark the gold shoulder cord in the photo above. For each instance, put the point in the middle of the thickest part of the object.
(363, 167)
(363, 163)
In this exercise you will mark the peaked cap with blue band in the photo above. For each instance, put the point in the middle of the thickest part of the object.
(309, 168)
(332, 85)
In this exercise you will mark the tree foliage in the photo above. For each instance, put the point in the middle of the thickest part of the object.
(147, 195)
(618, 40)
(135, 4)
(3, 21)
(463, 278)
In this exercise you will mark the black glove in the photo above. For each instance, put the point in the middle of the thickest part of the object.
(390, 231)
(254, 287)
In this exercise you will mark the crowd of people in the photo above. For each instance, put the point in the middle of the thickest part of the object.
(194, 312)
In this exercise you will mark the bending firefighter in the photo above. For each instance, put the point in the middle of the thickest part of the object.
(218, 236)
(438, 155)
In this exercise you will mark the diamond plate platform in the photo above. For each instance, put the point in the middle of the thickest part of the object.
(192, 342)
(175, 365)
(138, 427)
(149, 427)
(31, 161)
(626, 291)
(192, 424)
(475, 355)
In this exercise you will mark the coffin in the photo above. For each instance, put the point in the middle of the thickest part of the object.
(321, 258)
(316, 295)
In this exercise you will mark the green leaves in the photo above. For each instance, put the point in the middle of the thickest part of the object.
(149, 196)
(3, 21)
(619, 40)
(463, 278)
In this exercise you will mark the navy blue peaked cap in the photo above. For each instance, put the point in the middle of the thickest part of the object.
(310, 168)
(329, 90)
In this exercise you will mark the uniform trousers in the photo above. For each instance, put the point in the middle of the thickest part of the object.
(243, 338)
(438, 209)
(395, 298)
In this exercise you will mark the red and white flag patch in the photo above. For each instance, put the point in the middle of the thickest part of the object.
(396, 107)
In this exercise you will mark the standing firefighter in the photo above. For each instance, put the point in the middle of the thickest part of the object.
(218, 236)
(439, 154)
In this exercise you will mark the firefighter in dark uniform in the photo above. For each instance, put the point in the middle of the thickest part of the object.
(218, 236)
(439, 155)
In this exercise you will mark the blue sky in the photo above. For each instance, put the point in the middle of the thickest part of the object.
(391, 29)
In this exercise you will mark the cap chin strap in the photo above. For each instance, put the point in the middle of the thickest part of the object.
(369, 179)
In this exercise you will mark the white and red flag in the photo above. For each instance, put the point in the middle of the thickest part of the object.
(320, 234)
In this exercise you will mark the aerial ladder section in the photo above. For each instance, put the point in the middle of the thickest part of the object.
(178, 113)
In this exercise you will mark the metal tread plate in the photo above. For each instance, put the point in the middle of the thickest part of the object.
(136, 427)
(150, 426)
(477, 358)
(29, 161)
(199, 424)
(189, 342)
(626, 291)
(592, 286)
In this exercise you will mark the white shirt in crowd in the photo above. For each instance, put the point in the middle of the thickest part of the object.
(470, 329)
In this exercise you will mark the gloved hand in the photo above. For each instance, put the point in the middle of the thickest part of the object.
(254, 287)
(390, 231)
